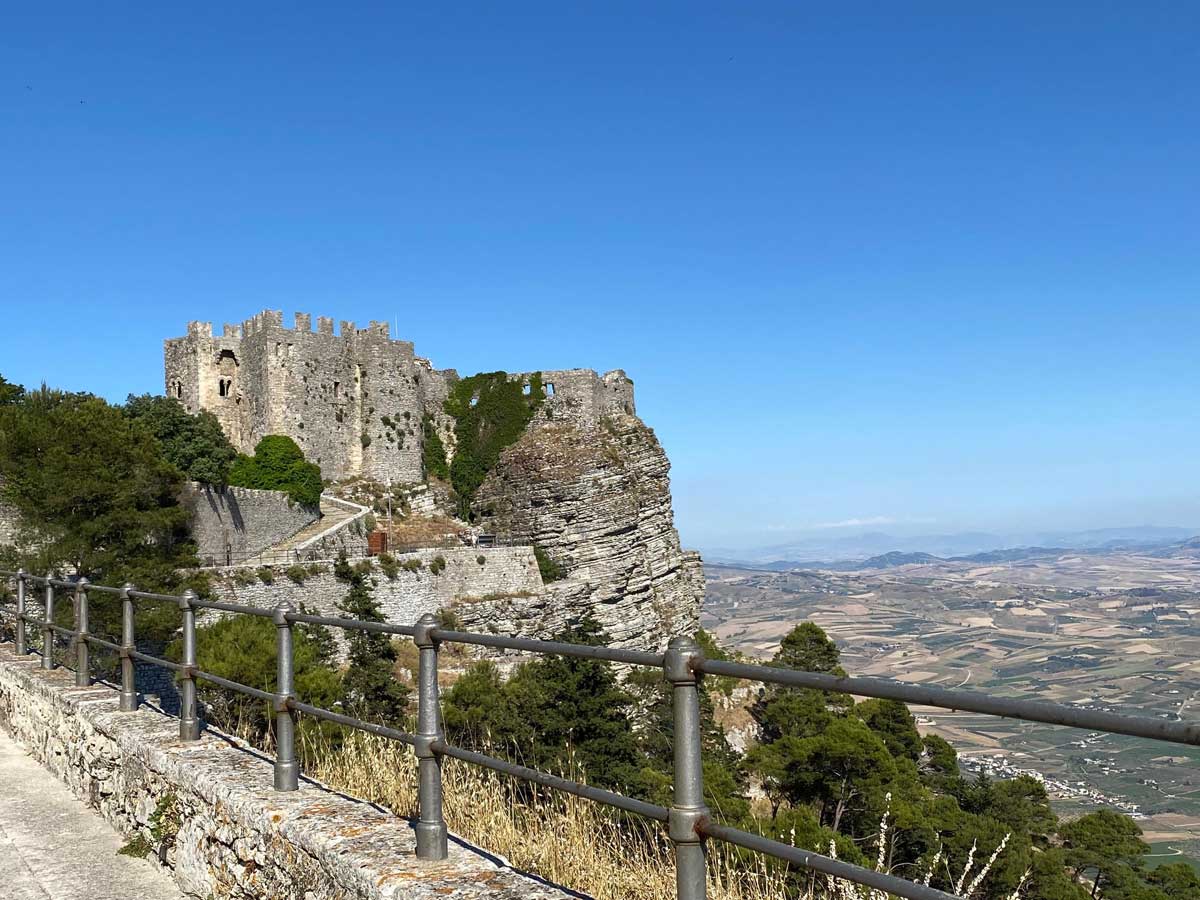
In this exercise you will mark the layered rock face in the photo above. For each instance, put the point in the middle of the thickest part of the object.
(597, 498)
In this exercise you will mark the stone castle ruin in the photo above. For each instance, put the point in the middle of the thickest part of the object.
(586, 483)
(353, 401)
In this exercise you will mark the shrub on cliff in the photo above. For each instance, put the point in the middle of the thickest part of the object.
(433, 451)
(195, 445)
(279, 465)
(490, 412)
(550, 568)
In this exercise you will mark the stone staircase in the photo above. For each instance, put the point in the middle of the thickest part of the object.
(333, 514)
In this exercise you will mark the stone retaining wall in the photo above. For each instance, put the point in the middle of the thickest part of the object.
(241, 521)
(237, 837)
(506, 572)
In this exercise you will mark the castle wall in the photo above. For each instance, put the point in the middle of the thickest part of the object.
(239, 521)
(583, 397)
(353, 401)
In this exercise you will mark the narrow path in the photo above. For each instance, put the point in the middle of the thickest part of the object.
(52, 847)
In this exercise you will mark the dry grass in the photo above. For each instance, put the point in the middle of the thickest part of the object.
(565, 839)
(426, 531)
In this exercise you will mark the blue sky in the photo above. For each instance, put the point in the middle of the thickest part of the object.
(913, 266)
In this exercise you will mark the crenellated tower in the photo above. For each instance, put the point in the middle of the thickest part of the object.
(354, 400)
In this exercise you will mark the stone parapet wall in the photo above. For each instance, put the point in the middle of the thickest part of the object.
(506, 572)
(241, 521)
(238, 838)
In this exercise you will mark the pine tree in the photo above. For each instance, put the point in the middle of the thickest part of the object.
(369, 684)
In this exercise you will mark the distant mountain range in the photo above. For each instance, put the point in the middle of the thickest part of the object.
(878, 550)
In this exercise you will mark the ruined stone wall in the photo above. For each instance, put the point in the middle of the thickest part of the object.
(353, 401)
(598, 500)
(237, 837)
(240, 521)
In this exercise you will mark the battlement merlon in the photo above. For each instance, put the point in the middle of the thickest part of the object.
(273, 319)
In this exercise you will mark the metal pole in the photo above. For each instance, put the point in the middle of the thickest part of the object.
(129, 697)
(189, 722)
(83, 677)
(688, 807)
(21, 648)
(287, 769)
(47, 632)
(431, 826)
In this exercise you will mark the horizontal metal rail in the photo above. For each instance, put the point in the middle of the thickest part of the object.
(599, 795)
(157, 661)
(239, 608)
(353, 624)
(688, 818)
(807, 859)
(234, 685)
(328, 715)
(554, 648)
(969, 701)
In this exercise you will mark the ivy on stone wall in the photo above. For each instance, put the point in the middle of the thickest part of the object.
(490, 412)
(433, 450)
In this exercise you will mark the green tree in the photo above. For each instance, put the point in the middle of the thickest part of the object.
(891, 720)
(279, 465)
(807, 648)
(370, 687)
(725, 780)
(92, 491)
(476, 711)
(242, 649)
(195, 445)
(1178, 881)
(1104, 846)
(555, 713)
(10, 393)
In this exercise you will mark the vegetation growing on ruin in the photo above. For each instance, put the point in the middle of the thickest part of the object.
(490, 412)
(278, 464)
(433, 451)
(551, 569)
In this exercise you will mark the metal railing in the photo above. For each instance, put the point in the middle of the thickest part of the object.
(688, 819)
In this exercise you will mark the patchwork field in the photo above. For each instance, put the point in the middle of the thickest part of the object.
(1114, 631)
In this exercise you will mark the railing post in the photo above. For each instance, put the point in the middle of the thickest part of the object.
(20, 639)
(431, 826)
(129, 697)
(83, 676)
(189, 721)
(688, 808)
(47, 631)
(287, 769)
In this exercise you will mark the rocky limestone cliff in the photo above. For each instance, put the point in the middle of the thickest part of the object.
(597, 499)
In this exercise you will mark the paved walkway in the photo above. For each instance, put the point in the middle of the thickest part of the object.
(52, 847)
